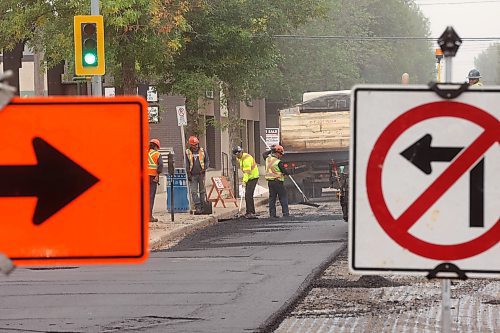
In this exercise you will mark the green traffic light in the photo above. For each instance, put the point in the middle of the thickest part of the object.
(89, 44)
(89, 59)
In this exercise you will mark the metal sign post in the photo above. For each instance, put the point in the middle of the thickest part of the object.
(449, 43)
(181, 122)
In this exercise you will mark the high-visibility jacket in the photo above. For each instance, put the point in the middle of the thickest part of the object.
(153, 156)
(478, 84)
(273, 171)
(201, 157)
(249, 167)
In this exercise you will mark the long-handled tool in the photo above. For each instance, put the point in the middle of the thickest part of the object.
(239, 207)
(335, 171)
(305, 201)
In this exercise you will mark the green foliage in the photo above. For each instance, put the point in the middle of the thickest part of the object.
(140, 35)
(229, 123)
(337, 64)
(230, 41)
(488, 64)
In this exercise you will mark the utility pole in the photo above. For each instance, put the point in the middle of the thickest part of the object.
(96, 79)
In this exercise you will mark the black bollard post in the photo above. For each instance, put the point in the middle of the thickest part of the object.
(171, 171)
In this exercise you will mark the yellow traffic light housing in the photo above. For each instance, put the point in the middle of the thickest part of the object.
(89, 45)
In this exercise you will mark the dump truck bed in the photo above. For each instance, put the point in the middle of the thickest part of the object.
(315, 131)
(317, 125)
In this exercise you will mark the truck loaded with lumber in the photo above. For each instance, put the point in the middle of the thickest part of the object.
(315, 135)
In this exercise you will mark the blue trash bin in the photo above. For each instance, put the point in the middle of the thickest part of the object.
(181, 202)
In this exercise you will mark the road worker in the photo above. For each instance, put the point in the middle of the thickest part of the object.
(197, 162)
(275, 176)
(155, 168)
(250, 179)
(474, 77)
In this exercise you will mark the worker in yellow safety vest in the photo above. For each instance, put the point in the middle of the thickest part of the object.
(275, 176)
(155, 168)
(250, 179)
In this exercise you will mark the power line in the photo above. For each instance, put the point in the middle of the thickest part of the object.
(455, 3)
(381, 38)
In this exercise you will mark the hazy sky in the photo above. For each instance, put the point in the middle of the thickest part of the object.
(469, 18)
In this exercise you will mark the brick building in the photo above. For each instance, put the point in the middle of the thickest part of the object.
(215, 140)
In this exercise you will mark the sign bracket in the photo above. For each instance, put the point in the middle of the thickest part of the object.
(447, 267)
(6, 265)
(448, 93)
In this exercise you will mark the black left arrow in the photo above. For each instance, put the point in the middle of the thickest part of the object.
(56, 180)
(421, 154)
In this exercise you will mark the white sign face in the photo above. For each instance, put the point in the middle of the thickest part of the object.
(218, 183)
(425, 185)
(153, 114)
(272, 136)
(152, 95)
(109, 91)
(181, 115)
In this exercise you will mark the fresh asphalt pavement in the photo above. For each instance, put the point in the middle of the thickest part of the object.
(234, 276)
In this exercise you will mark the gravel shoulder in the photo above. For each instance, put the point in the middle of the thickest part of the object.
(339, 301)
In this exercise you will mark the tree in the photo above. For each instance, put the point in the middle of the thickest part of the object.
(488, 64)
(337, 64)
(141, 35)
(230, 43)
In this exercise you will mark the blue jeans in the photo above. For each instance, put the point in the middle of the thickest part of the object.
(197, 188)
(277, 189)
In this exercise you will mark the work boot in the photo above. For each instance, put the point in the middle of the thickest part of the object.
(250, 216)
(153, 219)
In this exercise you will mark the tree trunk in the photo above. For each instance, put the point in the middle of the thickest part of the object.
(129, 74)
(233, 106)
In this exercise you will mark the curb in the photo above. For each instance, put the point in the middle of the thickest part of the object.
(272, 323)
(190, 228)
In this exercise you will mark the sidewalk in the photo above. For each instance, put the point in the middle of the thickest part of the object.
(165, 232)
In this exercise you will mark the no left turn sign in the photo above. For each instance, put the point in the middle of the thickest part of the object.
(181, 115)
(425, 180)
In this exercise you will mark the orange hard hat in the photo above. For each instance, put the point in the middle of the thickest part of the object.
(193, 140)
(279, 149)
(155, 141)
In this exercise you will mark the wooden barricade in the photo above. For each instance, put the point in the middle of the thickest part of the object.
(223, 190)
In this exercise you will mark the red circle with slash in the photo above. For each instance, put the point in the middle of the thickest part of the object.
(398, 228)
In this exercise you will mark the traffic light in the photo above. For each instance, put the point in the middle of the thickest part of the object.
(89, 45)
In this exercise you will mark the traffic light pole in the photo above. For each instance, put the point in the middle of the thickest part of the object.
(96, 79)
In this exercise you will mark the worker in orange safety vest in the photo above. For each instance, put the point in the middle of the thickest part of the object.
(197, 163)
(155, 168)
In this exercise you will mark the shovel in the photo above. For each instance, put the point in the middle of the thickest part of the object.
(239, 207)
(305, 200)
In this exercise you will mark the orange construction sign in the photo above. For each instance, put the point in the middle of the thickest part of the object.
(73, 180)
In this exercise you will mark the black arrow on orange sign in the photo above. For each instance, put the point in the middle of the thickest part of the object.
(56, 180)
(421, 154)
